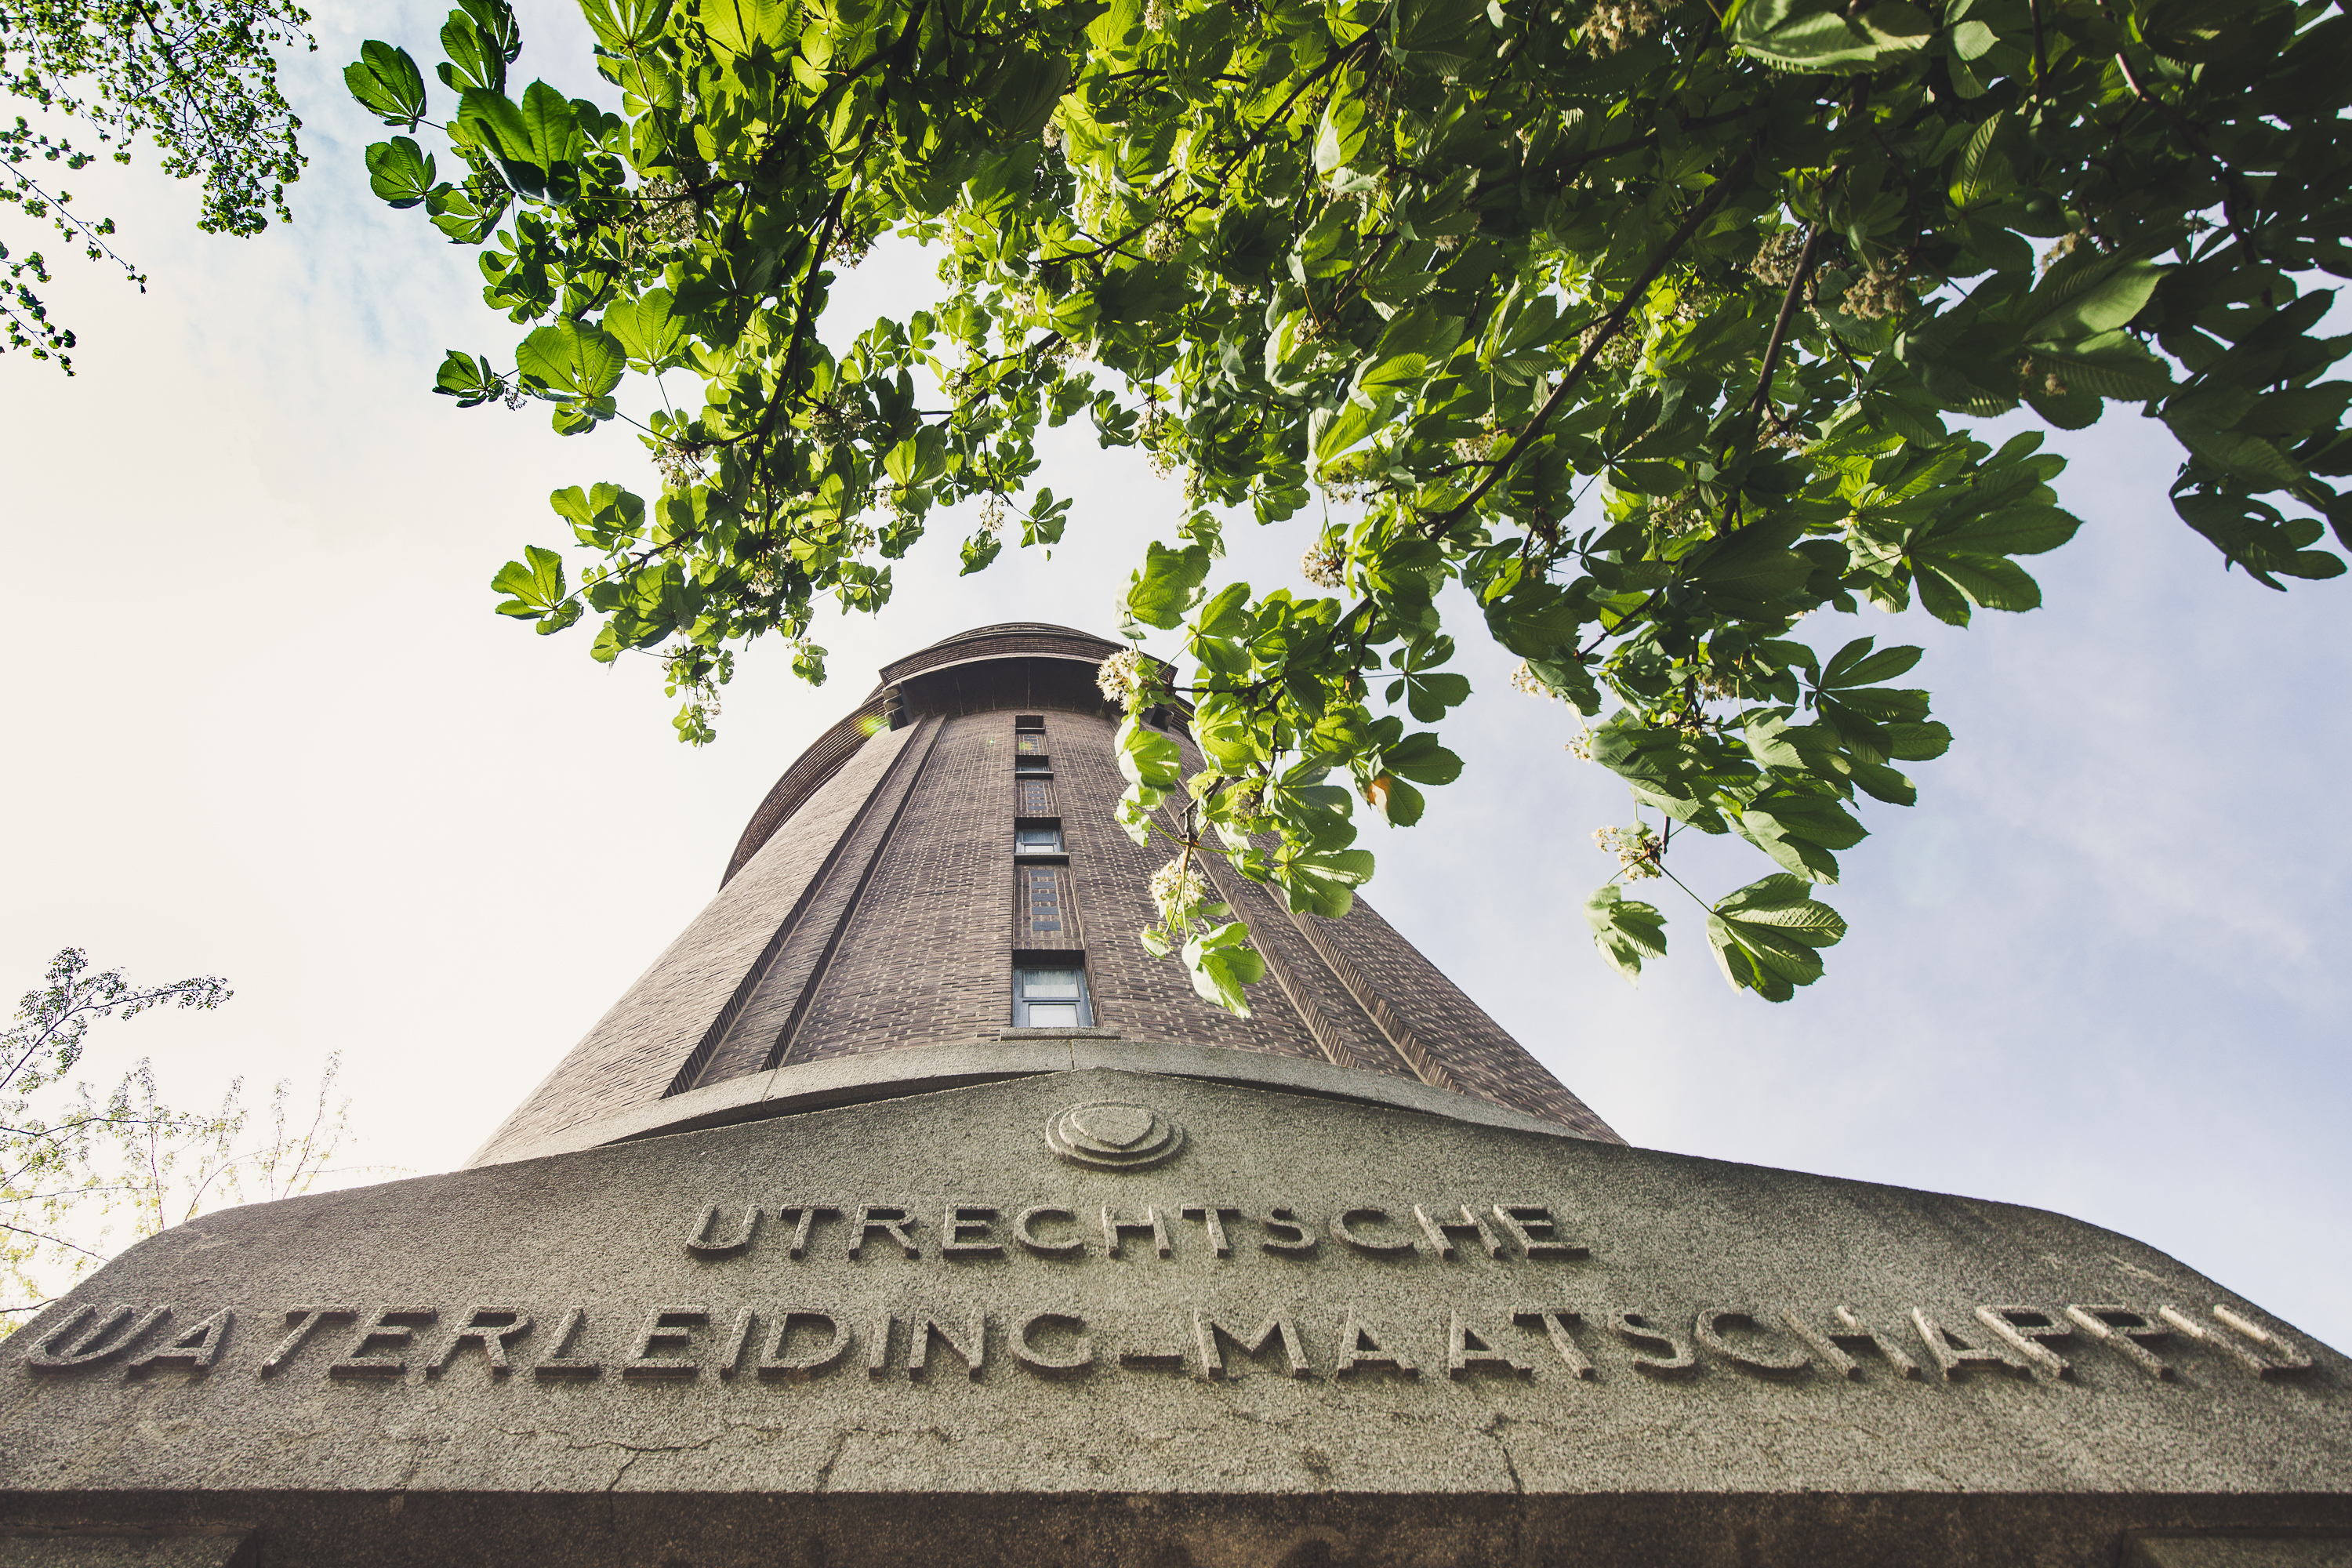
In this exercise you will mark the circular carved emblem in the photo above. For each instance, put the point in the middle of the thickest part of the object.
(1111, 1135)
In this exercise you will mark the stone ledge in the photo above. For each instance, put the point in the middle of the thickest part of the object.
(1014, 1052)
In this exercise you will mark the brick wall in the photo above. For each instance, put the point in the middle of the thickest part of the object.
(887, 910)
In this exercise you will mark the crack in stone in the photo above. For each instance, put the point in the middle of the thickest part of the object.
(833, 1456)
(1494, 1429)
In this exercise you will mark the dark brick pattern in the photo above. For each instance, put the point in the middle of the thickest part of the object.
(1047, 909)
(1143, 998)
(886, 908)
(761, 1034)
(926, 957)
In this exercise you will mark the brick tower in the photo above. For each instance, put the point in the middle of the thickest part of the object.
(906, 1213)
(940, 869)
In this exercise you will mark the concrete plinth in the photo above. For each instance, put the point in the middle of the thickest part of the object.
(1204, 1323)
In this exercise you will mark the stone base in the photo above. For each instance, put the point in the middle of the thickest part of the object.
(1224, 1324)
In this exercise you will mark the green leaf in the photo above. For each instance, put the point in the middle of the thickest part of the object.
(1339, 138)
(1816, 35)
(2111, 304)
(400, 171)
(1222, 962)
(1856, 665)
(1420, 758)
(980, 551)
(1147, 757)
(535, 583)
(1322, 882)
(625, 27)
(1625, 930)
(1765, 936)
(2010, 530)
(1399, 804)
(1799, 830)
(572, 358)
(1166, 584)
(1135, 809)
(474, 60)
(386, 81)
(467, 378)
(648, 327)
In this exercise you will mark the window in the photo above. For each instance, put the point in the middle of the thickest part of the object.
(1037, 840)
(1050, 999)
(1029, 722)
(1029, 740)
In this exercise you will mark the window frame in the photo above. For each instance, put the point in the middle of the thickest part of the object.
(1023, 1002)
(1028, 852)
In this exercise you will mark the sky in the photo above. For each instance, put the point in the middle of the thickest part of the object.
(264, 725)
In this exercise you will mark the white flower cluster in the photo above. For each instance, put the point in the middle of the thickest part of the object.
(1177, 889)
(1524, 680)
(1123, 677)
(1637, 850)
(1324, 564)
(1880, 292)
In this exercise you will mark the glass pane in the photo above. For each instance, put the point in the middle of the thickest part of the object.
(1053, 982)
(1053, 1014)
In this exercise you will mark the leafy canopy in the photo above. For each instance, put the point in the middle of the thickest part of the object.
(198, 78)
(1655, 326)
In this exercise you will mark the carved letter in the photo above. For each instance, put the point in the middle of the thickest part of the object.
(973, 1346)
(1466, 1348)
(1075, 1364)
(804, 1217)
(1343, 1227)
(968, 1232)
(1636, 1329)
(193, 1349)
(1300, 1242)
(732, 1356)
(561, 1364)
(2122, 1329)
(1554, 1321)
(1851, 1329)
(1537, 1233)
(1214, 1216)
(102, 1343)
(488, 1327)
(2289, 1360)
(1205, 1333)
(1025, 1232)
(1955, 1358)
(700, 1243)
(887, 1218)
(304, 1319)
(2021, 1327)
(1708, 1332)
(1442, 1232)
(877, 1347)
(1167, 1356)
(776, 1366)
(1151, 1224)
(395, 1328)
(665, 1327)
(1362, 1350)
